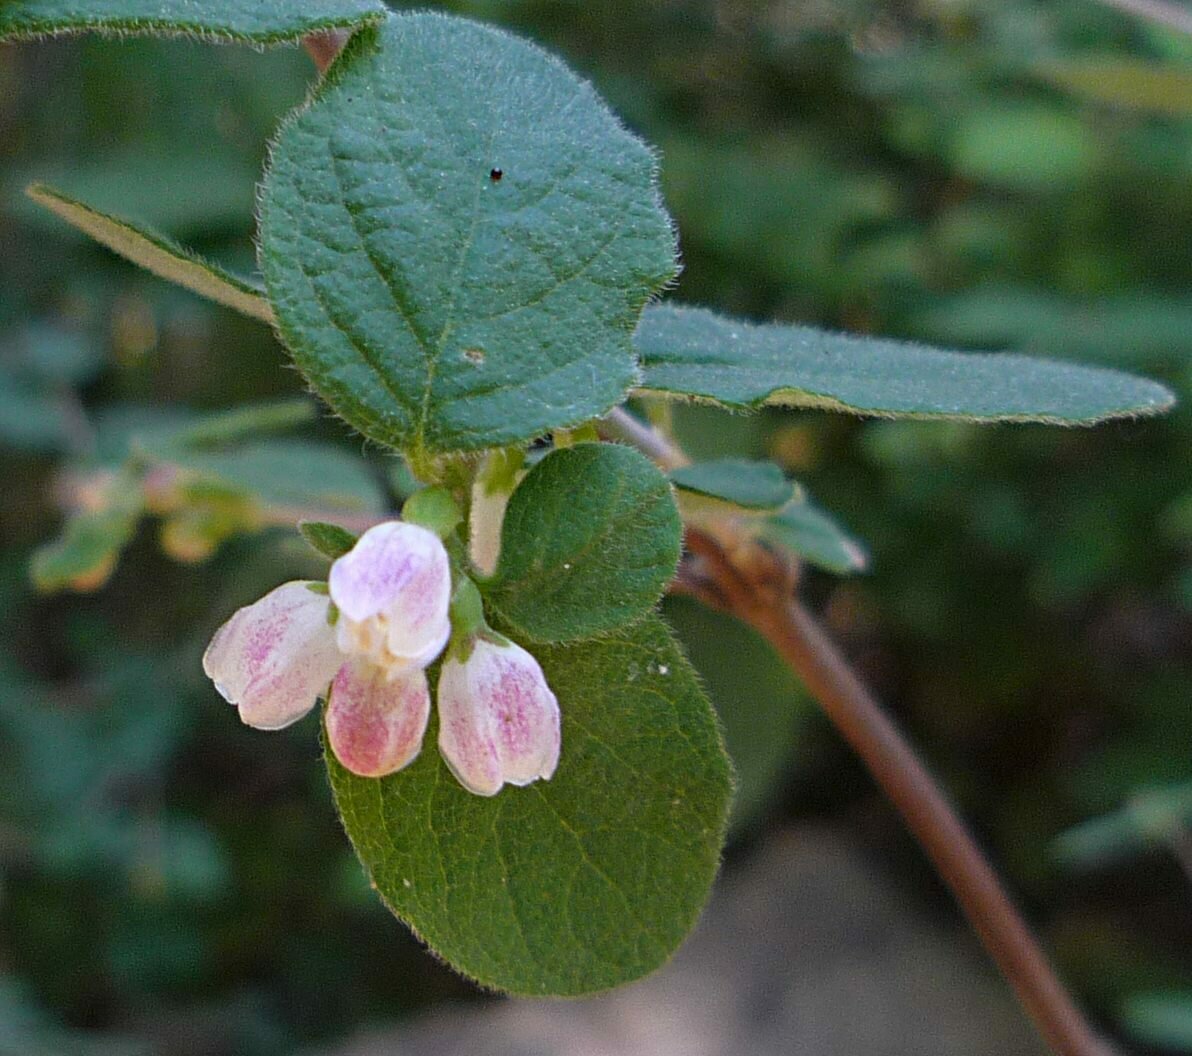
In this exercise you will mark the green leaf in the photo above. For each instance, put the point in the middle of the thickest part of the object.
(299, 475)
(1160, 1019)
(330, 540)
(435, 306)
(157, 253)
(57, 355)
(576, 884)
(816, 537)
(258, 21)
(1154, 817)
(590, 540)
(751, 485)
(1126, 82)
(244, 423)
(33, 416)
(84, 555)
(762, 714)
(693, 353)
(1032, 147)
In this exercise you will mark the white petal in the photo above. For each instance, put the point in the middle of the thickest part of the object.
(498, 719)
(375, 725)
(399, 574)
(273, 658)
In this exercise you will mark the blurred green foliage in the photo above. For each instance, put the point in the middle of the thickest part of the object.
(1010, 175)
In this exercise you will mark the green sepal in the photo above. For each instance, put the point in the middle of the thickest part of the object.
(434, 508)
(330, 540)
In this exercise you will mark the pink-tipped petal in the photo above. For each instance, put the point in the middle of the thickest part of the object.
(375, 725)
(398, 575)
(274, 658)
(498, 719)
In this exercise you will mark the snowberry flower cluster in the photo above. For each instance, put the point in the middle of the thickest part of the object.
(364, 640)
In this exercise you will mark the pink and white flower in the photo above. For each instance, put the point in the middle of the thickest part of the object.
(273, 659)
(498, 719)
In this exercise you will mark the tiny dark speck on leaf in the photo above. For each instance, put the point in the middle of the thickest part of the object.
(495, 175)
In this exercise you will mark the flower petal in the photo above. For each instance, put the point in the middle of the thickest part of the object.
(273, 658)
(498, 719)
(375, 725)
(400, 572)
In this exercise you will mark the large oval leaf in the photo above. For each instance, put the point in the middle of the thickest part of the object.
(458, 238)
(579, 883)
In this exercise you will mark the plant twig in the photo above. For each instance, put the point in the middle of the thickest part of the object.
(753, 583)
(804, 645)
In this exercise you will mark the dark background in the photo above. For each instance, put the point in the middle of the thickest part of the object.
(1009, 175)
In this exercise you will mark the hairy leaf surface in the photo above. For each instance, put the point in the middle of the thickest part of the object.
(458, 238)
(576, 884)
(590, 540)
(256, 21)
(693, 353)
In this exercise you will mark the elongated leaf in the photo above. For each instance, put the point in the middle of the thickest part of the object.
(590, 540)
(85, 554)
(1130, 83)
(247, 422)
(817, 538)
(1153, 818)
(458, 238)
(579, 883)
(258, 21)
(1162, 1018)
(158, 254)
(693, 353)
(302, 475)
(738, 481)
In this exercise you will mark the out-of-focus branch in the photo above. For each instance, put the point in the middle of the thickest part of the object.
(1168, 13)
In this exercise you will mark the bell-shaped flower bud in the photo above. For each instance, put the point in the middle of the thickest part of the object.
(498, 719)
(392, 590)
(274, 658)
(375, 724)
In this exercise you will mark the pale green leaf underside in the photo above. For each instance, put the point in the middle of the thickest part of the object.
(1125, 82)
(750, 485)
(438, 308)
(591, 538)
(693, 353)
(302, 475)
(817, 538)
(576, 884)
(156, 253)
(256, 21)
